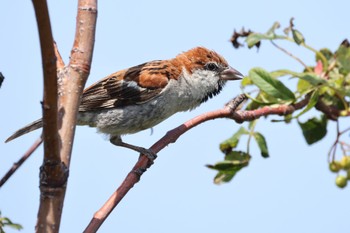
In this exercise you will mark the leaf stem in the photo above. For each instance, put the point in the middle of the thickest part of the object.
(318, 53)
(251, 128)
(291, 55)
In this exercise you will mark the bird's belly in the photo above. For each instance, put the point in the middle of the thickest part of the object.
(134, 118)
(127, 120)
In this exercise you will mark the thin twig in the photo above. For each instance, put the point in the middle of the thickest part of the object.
(291, 55)
(332, 152)
(345, 130)
(17, 165)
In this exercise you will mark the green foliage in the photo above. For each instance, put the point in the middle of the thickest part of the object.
(271, 86)
(227, 169)
(314, 129)
(6, 222)
(235, 160)
(323, 87)
(232, 142)
(260, 140)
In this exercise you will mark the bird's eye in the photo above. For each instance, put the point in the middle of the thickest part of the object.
(211, 66)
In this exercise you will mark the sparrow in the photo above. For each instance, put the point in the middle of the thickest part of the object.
(138, 98)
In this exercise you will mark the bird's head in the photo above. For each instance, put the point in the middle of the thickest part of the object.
(206, 71)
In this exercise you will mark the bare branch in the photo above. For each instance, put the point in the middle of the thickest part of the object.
(52, 172)
(78, 72)
(282, 110)
(71, 82)
(144, 163)
(17, 165)
(49, 104)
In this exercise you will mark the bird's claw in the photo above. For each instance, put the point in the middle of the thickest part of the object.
(148, 153)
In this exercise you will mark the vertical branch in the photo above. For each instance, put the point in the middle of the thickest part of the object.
(52, 173)
(63, 88)
(49, 103)
(78, 71)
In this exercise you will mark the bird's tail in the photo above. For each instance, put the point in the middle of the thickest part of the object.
(26, 129)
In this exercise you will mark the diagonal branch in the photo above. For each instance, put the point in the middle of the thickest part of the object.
(229, 111)
(17, 165)
(37, 143)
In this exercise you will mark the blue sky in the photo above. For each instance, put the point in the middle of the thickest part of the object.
(292, 191)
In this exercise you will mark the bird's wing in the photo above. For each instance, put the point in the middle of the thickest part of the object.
(135, 85)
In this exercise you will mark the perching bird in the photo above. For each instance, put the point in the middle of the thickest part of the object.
(138, 98)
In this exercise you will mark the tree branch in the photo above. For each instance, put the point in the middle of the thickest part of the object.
(52, 172)
(18, 164)
(331, 112)
(49, 103)
(282, 110)
(229, 111)
(71, 80)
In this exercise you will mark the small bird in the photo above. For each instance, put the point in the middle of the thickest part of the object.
(138, 98)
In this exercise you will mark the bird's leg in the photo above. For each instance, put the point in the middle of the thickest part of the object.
(116, 140)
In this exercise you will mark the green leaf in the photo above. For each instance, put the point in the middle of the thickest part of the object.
(330, 98)
(227, 169)
(6, 222)
(314, 129)
(271, 32)
(222, 177)
(343, 57)
(326, 53)
(313, 79)
(255, 38)
(312, 102)
(246, 81)
(232, 142)
(298, 37)
(260, 140)
(280, 73)
(238, 157)
(273, 87)
(304, 87)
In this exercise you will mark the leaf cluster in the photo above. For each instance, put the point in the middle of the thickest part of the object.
(323, 86)
(6, 222)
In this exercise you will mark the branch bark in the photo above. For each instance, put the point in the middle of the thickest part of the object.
(62, 90)
(75, 75)
(18, 164)
(229, 111)
(52, 172)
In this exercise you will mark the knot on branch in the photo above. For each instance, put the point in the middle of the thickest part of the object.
(53, 174)
(236, 102)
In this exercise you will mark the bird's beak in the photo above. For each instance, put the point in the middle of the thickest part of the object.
(230, 74)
